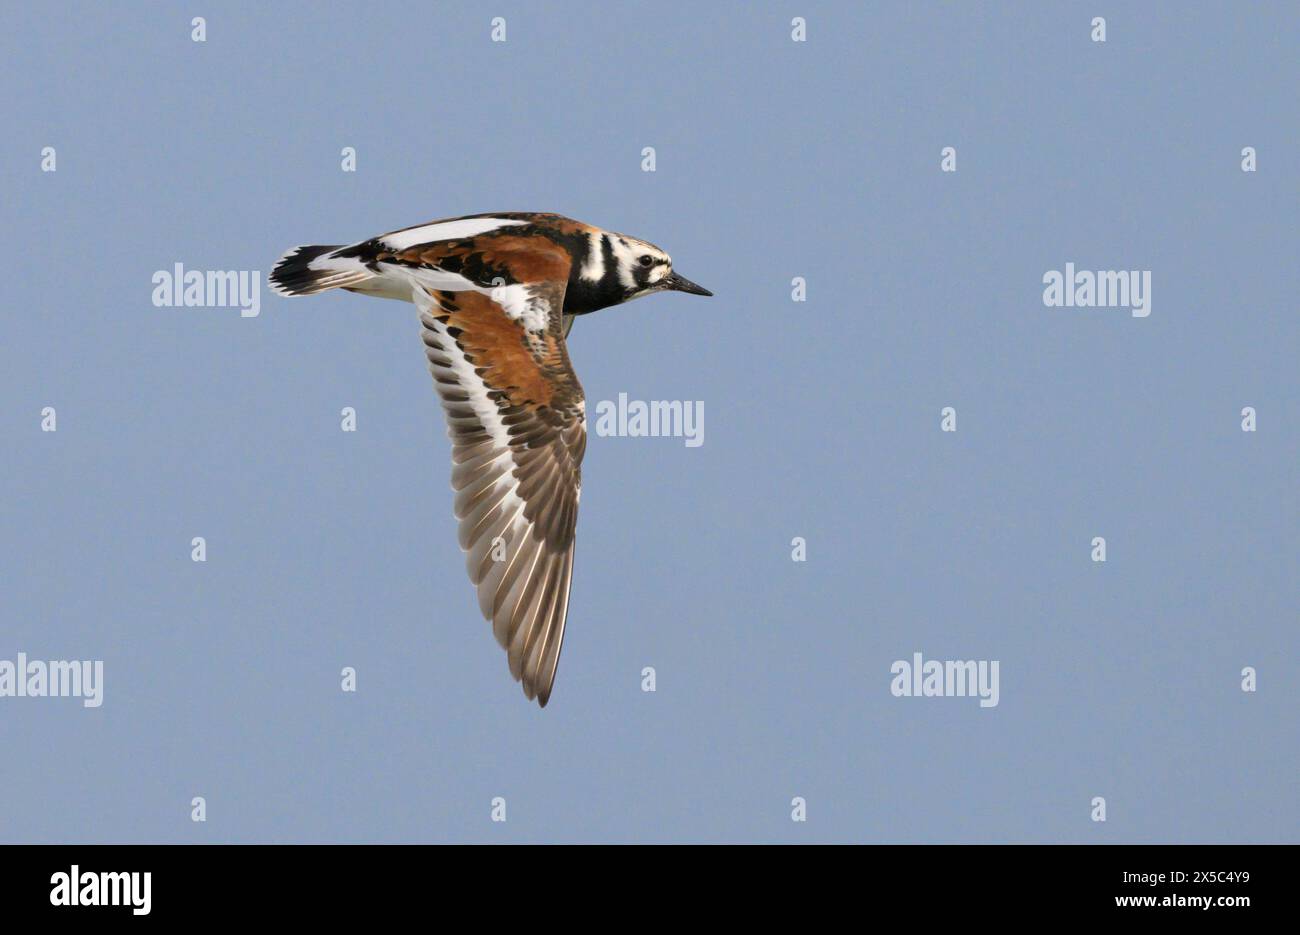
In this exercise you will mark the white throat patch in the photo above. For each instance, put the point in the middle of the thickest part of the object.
(594, 269)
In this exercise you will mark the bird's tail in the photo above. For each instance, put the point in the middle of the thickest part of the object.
(311, 269)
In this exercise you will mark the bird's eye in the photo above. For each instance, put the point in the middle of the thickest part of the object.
(647, 260)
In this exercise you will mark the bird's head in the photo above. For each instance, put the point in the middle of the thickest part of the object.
(643, 268)
(617, 268)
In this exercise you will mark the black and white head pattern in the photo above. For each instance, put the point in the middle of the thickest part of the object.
(616, 268)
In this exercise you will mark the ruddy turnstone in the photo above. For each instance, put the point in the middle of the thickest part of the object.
(497, 295)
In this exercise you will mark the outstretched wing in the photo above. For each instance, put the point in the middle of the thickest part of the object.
(517, 421)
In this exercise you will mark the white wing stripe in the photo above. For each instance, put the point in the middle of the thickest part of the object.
(474, 387)
(517, 301)
(445, 230)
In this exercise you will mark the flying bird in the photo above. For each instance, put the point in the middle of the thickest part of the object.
(497, 295)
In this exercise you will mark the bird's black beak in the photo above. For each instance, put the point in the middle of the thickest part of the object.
(677, 283)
